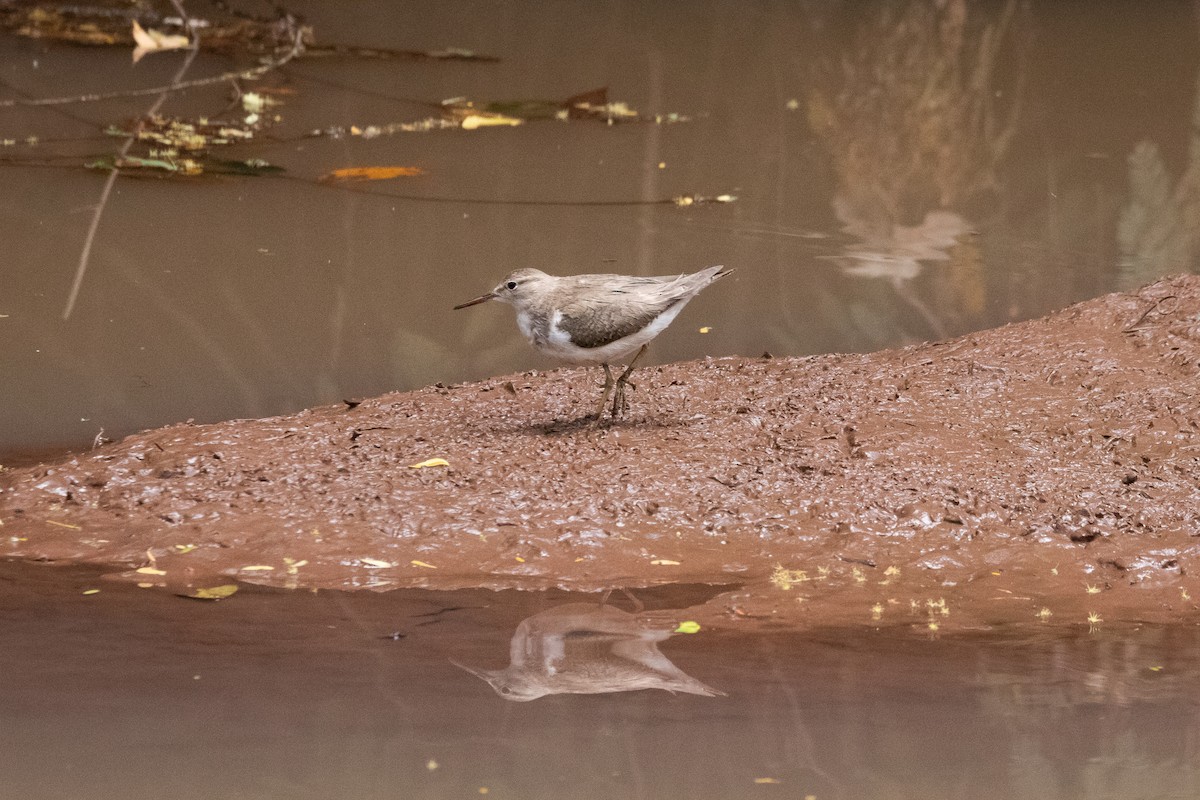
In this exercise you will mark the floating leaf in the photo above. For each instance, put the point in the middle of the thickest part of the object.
(433, 462)
(256, 568)
(152, 41)
(664, 562)
(375, 563)
(706, 329)
(416, 563)
(370, 174)
(766, 780)
(479, 120)
(62, 524)
(214, 592)
(182, 166)
(690, 626)
(251, 167)
(184, 548)
(150, 571)
(91, 591)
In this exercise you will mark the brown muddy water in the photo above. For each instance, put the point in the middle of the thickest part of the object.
(275, 694)
(903, 172)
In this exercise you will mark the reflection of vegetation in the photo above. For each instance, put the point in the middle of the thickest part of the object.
(917, 118)
(1159, 229)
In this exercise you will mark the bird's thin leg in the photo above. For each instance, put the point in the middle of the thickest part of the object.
(638, 605)
(608, 387)
(619, 402)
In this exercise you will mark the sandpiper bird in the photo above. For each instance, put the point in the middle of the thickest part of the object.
(581, 648)
(597, 319)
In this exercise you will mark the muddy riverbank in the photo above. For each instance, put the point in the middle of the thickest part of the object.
(1047, 470)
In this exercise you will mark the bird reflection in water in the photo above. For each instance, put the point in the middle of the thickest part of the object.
(583, 648)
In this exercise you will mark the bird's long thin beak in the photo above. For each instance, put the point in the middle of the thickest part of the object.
(476, 301)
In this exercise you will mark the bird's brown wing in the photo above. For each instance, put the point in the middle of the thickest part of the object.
(605, 318)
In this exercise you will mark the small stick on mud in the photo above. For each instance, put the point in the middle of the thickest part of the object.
(1153, 306)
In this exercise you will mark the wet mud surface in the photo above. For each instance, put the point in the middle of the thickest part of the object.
(1046, 470)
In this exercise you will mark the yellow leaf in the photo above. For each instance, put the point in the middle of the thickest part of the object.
(706, 329)
(473, 121)
(256, 568)
(150, 571)
(664, 562)
(62, 524)
(370, 174)
(214, 592)
(433, 462)
(375, 563)
(416, 563)
(689, 626)
(766, 780)
(91, 591)
(184, 548)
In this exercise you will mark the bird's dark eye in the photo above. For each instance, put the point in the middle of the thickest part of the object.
(510, 285)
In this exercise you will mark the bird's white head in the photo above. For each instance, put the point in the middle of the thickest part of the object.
(517, 289)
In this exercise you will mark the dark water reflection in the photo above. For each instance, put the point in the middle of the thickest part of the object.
(275, 694)
(905, 170)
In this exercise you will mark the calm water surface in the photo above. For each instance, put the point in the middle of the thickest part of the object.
(276, 694)
(904, 171)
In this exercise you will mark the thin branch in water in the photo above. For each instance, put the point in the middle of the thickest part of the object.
(246, 74)
(86, 253)
(682, 200)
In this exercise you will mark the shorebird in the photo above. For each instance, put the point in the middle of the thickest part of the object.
(581, 648)
(597, 319)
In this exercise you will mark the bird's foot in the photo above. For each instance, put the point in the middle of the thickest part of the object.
(620, 402)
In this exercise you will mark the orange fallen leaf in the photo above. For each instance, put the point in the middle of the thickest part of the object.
(416, 563)
(370, 174)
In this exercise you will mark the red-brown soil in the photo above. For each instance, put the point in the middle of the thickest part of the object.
(1045, 470)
